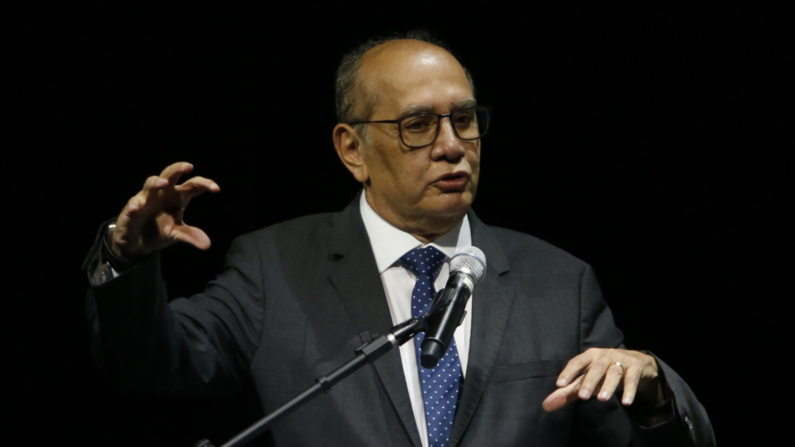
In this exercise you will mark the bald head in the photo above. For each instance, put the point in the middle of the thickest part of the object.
(401, 65)
(356, 94)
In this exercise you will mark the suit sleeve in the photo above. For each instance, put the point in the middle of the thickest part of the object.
(685, 424)
(201, 345)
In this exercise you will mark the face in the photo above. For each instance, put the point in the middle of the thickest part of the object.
(436, 182)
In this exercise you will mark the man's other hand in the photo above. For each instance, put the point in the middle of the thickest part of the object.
(595, 373)
(152, 219)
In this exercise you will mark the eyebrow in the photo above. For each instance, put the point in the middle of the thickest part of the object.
(420, 109)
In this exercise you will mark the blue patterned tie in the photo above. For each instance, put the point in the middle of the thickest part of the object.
(439, 385)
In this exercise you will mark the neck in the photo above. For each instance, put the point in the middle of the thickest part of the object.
(425, 229)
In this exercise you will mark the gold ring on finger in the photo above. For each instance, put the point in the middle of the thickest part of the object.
(620, 366)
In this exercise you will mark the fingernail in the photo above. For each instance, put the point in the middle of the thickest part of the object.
(627, 400)
(585, 393)
(603, 395)
(562, 382)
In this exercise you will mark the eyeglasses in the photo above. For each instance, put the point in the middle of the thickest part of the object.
(469, 123)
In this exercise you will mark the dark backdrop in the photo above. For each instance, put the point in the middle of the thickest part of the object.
(646, 141)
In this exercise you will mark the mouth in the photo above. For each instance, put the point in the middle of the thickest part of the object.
(453, 182)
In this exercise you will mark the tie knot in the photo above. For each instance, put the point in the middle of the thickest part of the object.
(423, 261)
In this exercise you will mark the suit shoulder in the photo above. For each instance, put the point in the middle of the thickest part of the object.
(304, 230)
(519, 246)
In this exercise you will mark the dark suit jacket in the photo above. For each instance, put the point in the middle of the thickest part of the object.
(297, 298)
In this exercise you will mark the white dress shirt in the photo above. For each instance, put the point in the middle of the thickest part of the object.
(389, 244)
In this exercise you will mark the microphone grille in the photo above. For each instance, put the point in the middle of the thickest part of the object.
(470, 260)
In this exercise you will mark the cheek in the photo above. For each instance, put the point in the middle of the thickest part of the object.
(412, 167)
(473, 157)
(382, 167)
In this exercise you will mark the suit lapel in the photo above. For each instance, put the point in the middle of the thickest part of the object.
(491, 307)
(354, 274)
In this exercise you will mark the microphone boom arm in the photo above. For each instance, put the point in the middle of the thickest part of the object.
(367, 353)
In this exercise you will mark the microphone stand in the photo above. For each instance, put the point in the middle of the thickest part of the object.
(367, 353)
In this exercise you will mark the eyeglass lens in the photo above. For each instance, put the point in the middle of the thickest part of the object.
(420, 130)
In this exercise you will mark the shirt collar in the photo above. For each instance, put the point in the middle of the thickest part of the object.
(390, 243)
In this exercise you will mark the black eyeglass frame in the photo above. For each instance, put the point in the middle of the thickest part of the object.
(447, 115)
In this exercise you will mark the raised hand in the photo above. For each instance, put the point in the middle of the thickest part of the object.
(152, 219)
(600, 372)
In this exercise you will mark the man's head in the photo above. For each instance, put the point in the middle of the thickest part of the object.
(425, 190)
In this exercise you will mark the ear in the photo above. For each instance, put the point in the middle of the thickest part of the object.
(349, 147)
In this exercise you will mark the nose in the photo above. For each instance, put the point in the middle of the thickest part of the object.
(447, 145)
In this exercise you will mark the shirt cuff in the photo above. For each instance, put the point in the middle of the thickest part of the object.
(102, 264)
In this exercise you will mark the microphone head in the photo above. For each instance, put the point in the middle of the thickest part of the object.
(471, 261)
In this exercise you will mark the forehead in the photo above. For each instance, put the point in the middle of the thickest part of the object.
(409, 74)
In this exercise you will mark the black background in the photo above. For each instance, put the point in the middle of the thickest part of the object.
(648, 141)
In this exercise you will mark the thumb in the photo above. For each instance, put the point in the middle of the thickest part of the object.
(190, 235)
(563, 396)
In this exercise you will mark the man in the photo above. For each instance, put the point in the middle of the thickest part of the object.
(536, 361)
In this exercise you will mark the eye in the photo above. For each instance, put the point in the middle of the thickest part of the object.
(464, 118)
(419, 123)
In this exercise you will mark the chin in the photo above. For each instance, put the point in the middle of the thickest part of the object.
(452, 204)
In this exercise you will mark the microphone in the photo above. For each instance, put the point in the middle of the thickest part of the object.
(467, 267)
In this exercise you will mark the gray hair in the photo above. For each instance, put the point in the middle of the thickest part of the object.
(348, 74)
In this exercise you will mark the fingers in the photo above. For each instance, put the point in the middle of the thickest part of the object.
(147, 195)
(159, 207)
(154, 196)
(128, 216)
(173, 172)
(196, 186)
(563, 396)
(131, 218)
(631, 381)
(154, 183)
(132, 207)
(143, 205)
(612, 379)
(596, 373)
(575, 367)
